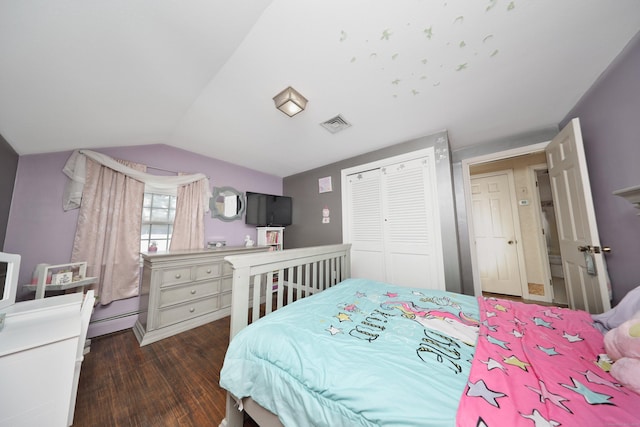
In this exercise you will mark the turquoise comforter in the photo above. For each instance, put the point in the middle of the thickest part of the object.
(362, 353)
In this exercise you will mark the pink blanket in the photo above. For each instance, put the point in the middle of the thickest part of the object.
(542, 366)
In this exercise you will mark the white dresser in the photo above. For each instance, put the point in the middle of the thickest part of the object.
(184, 289)
(41, 348)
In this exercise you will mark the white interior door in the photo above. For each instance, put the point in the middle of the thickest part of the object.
(584, 268)
(412, 234)
(364, 225)
(496, 236)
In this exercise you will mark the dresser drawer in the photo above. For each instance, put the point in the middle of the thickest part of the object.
(188, 292)
(227, 269)
(225, 300)
(207, 271)
(226, 284)
(179, 313)
(174, 276)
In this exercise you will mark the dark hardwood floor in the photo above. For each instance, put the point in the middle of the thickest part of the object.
(172, 382)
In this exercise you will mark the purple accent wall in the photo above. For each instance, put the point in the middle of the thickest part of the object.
(42, 232)
(610, 119)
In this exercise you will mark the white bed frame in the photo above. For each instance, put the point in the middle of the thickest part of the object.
(301, 272)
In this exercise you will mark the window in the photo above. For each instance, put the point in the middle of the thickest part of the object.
(158, 214)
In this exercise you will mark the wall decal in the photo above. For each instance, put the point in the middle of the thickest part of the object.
(324, 185)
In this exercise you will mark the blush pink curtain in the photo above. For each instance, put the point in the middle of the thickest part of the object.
(108, 230)
(188, 226)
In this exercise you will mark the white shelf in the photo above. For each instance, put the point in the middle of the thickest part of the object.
(271, 236)
(78, 283)
(632, 194)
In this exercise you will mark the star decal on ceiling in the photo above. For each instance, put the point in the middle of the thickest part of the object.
(333, 330)
(539, 420)
(386, 34)
(343, 317)
(514, 361)
(428, 32)
(480, 389)
(590, 396)
(545, 395)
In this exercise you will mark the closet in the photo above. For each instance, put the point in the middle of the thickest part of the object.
(391, 218)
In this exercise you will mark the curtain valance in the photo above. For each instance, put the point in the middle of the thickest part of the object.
(75, 169)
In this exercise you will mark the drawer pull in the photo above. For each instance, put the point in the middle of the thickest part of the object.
(209, 271)
(193, 291)
(178, 275)
(191, 310)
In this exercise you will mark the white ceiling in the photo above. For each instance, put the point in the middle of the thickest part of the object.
(201, 74)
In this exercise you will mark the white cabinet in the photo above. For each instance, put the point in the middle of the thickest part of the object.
(391, 218)
(184, 289)
(41, 348)
(271, 237)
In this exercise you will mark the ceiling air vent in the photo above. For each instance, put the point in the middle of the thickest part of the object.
(336, 124)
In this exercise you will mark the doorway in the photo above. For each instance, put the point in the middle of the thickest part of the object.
(528, 239)
(549, 227)
(583, 264)
(497, 232)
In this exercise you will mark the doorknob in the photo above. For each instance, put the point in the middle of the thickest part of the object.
(511, 242)
(594, 249)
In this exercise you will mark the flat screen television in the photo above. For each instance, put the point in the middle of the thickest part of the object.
(266, 210)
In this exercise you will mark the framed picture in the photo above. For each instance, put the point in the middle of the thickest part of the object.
(324, 185)
(62, 278)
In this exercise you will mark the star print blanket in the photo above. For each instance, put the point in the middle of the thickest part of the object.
(541, 366)
(362, 353)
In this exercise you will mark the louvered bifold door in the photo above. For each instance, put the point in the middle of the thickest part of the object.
(412, 244)
(364, 205)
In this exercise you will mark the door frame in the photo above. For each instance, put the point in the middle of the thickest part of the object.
(515, 218)
(544, 256)
(466, 184)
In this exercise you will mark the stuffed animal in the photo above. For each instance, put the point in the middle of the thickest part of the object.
(623, 347)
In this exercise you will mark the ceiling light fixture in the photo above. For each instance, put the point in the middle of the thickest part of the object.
(290, 101)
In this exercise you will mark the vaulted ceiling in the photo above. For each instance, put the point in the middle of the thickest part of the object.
(201, 74)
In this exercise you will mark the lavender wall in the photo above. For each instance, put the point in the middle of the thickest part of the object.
(41, 231)
(610, 119)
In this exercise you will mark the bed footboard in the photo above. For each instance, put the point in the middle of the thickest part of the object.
(266, 281)
(264, 277)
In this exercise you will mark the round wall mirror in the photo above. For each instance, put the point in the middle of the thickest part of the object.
(227, 204)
